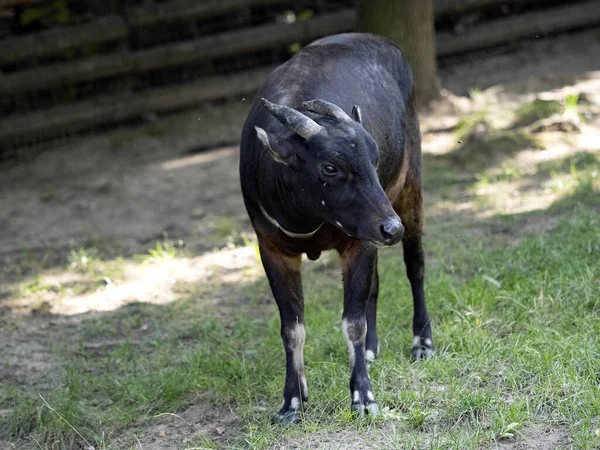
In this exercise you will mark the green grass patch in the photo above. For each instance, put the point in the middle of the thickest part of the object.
(476, 153)
(577, 162)
(577, 172)
(517, 331)
(162, 250)
(540, 109)
(536, 110)
(470, 123)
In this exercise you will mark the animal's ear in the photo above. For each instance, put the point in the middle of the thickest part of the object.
(356, 114)
(277, 150)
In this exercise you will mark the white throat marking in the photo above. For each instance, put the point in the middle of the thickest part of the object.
(288, 233)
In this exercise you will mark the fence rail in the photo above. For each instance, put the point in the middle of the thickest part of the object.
(539, 23)
(112, 110)
(49, 43)
(36, 64)
(180, 53)
(178, 10)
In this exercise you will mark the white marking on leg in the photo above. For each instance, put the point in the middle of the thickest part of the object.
(296, 337)
(416, 341)
(370, 355)
(304, 386)
(350, 344)
(370, 396)
(323, 202)
(295, 403)
(346, 326)
(295, 342)
(428, 342)
(355, 397)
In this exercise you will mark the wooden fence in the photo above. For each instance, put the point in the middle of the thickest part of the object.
(84, 76)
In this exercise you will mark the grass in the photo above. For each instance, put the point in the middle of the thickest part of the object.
(536, 110)
(515, 319)
(541, 109)
(519, 351)
(470, 123)
(227, 233)
(161, 251)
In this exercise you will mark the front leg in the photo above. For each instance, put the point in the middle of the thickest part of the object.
(284, 274)
(359, 263)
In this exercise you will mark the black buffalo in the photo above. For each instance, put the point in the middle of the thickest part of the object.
(331, 159)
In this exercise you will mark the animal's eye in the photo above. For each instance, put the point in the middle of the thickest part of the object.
(329, 170)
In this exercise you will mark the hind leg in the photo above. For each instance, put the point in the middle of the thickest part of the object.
(372, 341)
(411, 213)
(414, 259)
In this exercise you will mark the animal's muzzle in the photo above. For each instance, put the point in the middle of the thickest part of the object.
(392, 230)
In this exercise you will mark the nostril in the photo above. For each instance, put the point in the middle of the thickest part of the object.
(386, 232)
(391, 229)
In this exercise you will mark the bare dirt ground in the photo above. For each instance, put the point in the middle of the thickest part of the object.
(123, 191)
(133, 185)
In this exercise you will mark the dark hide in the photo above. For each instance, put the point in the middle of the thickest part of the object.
(341, 188)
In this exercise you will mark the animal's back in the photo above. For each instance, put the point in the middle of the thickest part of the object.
(345, 69)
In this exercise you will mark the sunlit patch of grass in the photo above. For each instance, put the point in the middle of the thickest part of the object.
(89, 261)
(35, 286)
(571, 101)
(536, 110)
(539, 185)
(572, 164)
(83, 260)
(162, 250)
(225, 227)
(470, 123)
(227, 233)
(474, 92)
(540, 109)
(584, 188)
(40, 284)
(506, 173)
(480, 153)
(27, 264)
(577, 176)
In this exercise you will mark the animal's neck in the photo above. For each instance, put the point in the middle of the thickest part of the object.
(286, 205)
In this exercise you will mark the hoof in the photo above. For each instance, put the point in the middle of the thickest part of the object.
(422, 348)
(289, 414)
(364, 403)
(287, 418)
(372, 409)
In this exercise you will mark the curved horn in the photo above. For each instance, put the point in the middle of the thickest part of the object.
(327, 109)
(356, 114)
(296, 121)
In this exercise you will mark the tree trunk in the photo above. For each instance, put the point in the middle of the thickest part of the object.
(410, 24)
